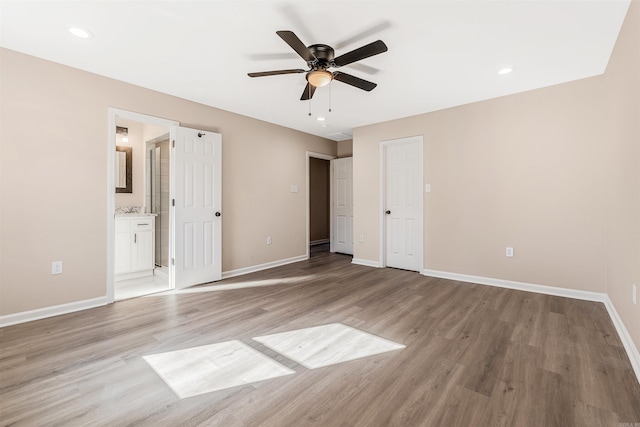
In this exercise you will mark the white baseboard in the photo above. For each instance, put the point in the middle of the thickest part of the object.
(629, 346)
(265, 266)
(56, 310)
(623, 333)
(521, 286)
(366, 262)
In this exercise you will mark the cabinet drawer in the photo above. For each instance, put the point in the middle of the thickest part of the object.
(123, 225)
(142, 224)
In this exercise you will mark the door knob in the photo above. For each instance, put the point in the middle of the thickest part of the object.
(218, 214)
(388, 212)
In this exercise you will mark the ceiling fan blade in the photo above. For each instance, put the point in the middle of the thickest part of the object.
(354, 81)
(364, 68)
(308, 92)
(292, 40)
(366, 33)
(275, 73)
(366, 51)
(271, 56)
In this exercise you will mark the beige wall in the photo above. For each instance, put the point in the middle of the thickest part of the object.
(53, 180)
(622, 100)
(523, 171)
(345, 148)
(551, 172)
(318, 199)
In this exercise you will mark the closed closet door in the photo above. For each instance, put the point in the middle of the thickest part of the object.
(403, 203)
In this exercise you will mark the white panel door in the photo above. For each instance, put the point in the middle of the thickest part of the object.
(342, 220)
(197, 157)
(403, 201)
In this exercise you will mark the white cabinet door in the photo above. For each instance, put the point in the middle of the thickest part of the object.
(122, 246)
(134, 247)
(142, 257)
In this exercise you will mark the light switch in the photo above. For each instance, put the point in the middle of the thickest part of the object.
(427, 188)
(294, 188)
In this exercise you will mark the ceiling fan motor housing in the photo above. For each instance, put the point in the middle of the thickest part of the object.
(324, 55)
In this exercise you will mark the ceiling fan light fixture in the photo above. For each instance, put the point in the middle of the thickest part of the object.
(319, 78)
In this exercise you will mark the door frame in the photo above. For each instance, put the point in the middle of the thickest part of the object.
(113, 113)
(321, 156)
(383, 195)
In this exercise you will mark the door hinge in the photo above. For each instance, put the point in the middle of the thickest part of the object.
(173, 261)
(173, 143)
(173, 202)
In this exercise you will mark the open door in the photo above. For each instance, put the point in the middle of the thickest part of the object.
(342, 213)
(197, 206)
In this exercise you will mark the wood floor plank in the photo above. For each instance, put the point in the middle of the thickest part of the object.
(474, 355)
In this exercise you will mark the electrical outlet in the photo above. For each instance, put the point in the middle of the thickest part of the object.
(269, 241)
(56, 267)
(361, 238)
(509, 252)
(634, 293)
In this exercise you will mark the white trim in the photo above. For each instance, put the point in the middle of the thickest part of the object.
(521, 286)
(308, 198)
(382, 261)
(366, 263)
(56, 310)
(382, 191)
(113, 113)
(265, 266)
(332, 240)
(623, 333)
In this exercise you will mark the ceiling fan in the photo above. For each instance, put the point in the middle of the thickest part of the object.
(319, 58)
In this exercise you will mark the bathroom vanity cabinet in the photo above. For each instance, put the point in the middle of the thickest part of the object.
(134, 246)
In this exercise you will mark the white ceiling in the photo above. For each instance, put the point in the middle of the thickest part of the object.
(441, 53)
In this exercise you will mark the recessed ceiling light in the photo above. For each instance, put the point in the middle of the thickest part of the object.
(321, 119)
(80, 32)
(505, 70)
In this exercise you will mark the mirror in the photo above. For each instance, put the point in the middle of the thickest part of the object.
(123, 169)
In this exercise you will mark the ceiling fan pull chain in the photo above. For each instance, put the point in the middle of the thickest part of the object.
(309, 88)
(330, 96)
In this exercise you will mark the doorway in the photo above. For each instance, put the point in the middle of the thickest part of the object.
(142, 235)
(402, 203)
(194, 238)
(319, 203)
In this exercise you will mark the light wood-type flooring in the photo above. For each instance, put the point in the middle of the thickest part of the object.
(475, 356)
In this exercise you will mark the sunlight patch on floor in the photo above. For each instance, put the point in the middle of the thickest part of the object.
(326, 345)
(198, 370)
